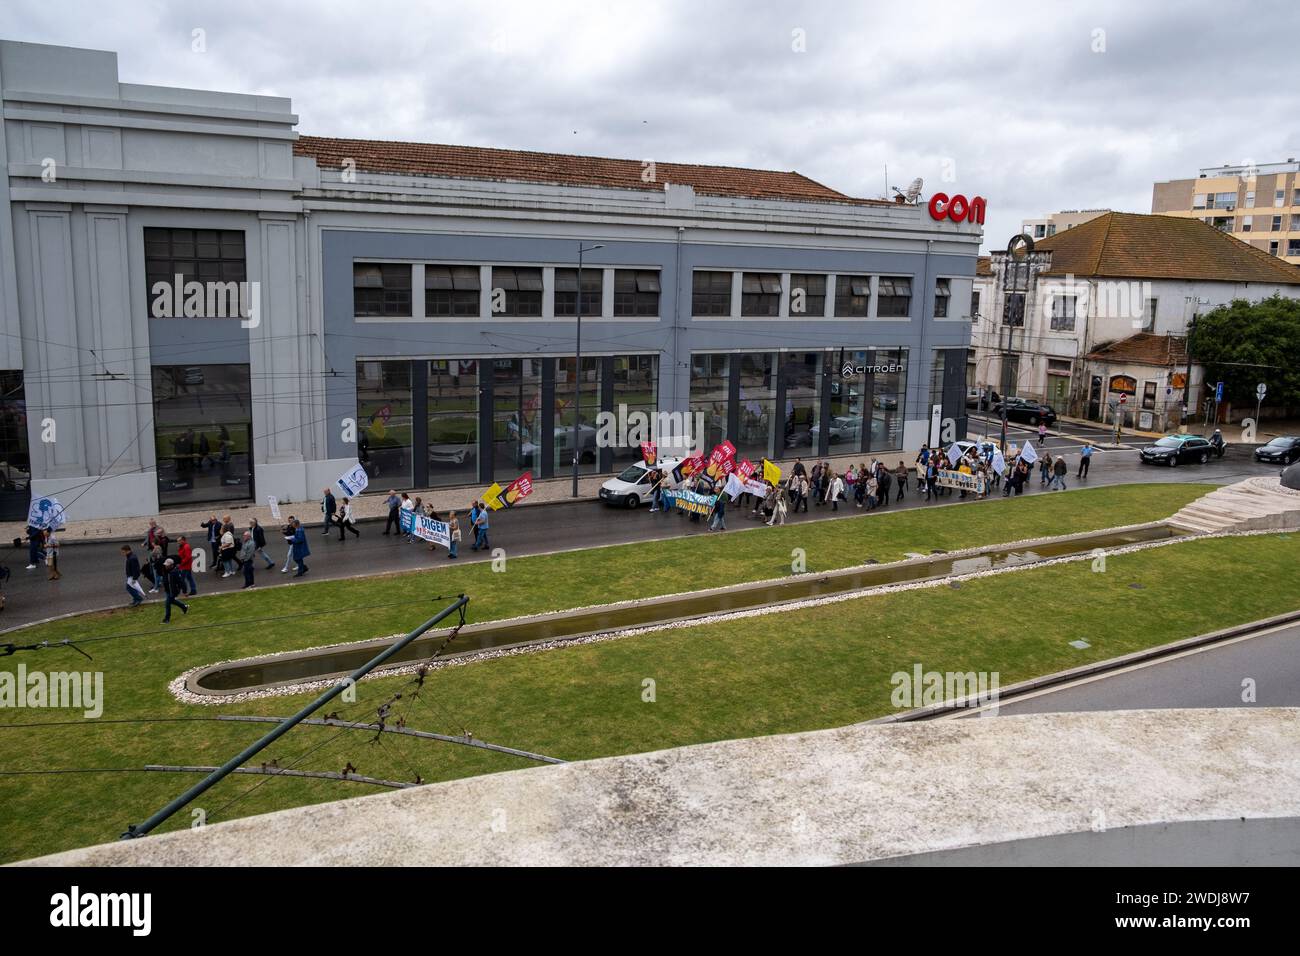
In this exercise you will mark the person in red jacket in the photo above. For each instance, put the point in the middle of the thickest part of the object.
(186, 555)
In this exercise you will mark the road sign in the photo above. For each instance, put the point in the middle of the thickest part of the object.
(1260, 391)
(1123, 399)
(1218, 392)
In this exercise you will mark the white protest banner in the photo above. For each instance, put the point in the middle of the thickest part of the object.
(45, 513)
(954, 453)
(354, 481)
(1027, 454)
(999, 462)
(274, 502)
(734, 487)
(425, 528)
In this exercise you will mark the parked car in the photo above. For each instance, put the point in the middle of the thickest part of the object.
(981, 399)
(632, 486)
(1281, 451)
(1025, 411)
(1174, 450)
(843, 428)
(455, 451)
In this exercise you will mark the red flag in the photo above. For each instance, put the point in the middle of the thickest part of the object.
(518, 490)
(745, 469)
(725, 451)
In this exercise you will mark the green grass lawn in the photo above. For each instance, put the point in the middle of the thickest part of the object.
(800, 670)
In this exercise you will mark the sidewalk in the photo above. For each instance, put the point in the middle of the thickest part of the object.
(368, 507)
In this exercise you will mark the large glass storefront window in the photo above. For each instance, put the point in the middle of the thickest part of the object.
(203, 433)
(588, 387)
(801, 374)
(710, 391)
(15, 461)
(516, 416)
(848, 403)
(384, 420)
(636, 389)
(453, 421)
(889, 368)
(756, 425)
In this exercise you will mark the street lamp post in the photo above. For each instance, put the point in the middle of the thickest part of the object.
(577, 365)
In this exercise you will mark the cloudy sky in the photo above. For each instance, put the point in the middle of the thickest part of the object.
(1036, 107)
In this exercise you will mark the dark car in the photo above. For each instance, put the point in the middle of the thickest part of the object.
(1025, 411)
(1174, 450)
(1281, 451)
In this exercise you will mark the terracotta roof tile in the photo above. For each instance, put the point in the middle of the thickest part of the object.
(1144, 348)
(1136, 246)
(474, 162)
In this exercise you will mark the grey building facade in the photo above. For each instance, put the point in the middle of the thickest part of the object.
(415, 307)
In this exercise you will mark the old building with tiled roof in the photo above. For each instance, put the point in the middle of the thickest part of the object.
(1101, 311)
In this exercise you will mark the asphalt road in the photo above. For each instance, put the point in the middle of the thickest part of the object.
(92, 572)
(1215, 676)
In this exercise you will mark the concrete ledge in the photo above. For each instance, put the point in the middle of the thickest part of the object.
(848, 795)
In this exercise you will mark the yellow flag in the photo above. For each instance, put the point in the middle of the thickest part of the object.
(771, 473)
(492, 497)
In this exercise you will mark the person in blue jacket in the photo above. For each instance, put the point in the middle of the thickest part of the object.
(300, 549)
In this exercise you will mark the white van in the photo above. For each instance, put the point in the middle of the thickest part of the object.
(632, 488)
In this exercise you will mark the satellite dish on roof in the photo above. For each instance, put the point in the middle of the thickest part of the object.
(914, 190)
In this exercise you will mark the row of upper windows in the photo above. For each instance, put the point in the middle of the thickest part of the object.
(761, 294)
(455, 291)
(385, 290)
(1228, 200)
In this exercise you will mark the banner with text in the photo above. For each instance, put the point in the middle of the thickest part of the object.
(690, 502)
(426, 529)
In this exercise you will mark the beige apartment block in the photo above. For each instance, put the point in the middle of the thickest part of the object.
(1058, 222)
(1258, 204)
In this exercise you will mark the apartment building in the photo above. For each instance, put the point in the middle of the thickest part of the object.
(1258, 204)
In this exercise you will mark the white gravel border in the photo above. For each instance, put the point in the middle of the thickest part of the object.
(177, 686)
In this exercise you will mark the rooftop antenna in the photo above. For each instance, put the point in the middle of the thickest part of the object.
(914, 190)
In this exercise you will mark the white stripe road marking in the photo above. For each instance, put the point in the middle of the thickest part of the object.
(1290, 625)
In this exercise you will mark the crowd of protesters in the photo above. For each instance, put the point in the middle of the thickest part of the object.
(168, 568)
(874, 485)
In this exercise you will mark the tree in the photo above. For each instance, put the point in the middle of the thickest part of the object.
(1245, 343)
